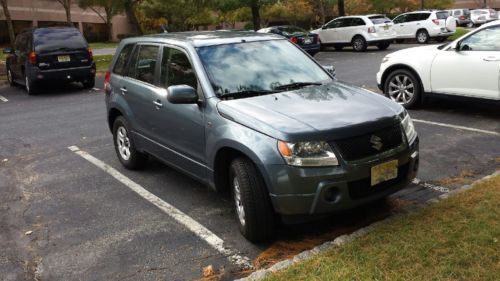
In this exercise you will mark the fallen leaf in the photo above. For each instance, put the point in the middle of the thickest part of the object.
(29, 232)
(208, 271)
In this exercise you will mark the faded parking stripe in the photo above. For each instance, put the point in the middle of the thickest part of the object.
(2, 98)
(457, 127)
(201, 231)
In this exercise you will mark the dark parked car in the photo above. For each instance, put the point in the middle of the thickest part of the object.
(50, 54)
(253, 114)
(309, 42)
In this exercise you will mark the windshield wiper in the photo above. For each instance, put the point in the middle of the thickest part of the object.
(247, 93)
(296, 85)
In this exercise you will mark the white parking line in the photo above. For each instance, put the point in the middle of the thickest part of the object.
(457, 127)
(201, 231)
(2, 98)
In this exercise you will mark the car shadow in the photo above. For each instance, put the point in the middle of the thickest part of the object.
(462, 105)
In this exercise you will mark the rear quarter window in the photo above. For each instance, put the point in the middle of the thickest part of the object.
(54, 39)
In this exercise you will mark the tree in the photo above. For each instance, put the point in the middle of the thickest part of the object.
(67, 7)
(254, 5)
(111, 8)
(130, 7)
(341, 7)
(10, 26)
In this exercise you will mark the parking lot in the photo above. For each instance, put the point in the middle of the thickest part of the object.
(70, 211)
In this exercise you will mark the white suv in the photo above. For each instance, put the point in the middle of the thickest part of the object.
(424, 25)
(358, 32)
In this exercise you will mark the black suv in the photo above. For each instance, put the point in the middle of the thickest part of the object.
(47, 54)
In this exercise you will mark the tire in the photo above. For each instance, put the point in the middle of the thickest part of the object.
(253, 208)
(359, 44)
(383, 46)
(441, 39)
(10, 77)
(410, 95)
(339, 48)
(89, 83)
(422, 36)
(30, 86)
(125, 147)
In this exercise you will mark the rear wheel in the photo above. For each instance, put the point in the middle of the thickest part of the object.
(383, 45)
(253, 207)
(359, 44)
(30, 86)
(403, 87)
(89, 83)
(422, 36)
(10, 78)
(125, 147)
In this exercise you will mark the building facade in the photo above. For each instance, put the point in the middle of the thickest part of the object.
(475, 4)
(39, 13)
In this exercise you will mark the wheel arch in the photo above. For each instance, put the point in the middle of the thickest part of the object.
(357, 35)
(113, 113)
(395, 67)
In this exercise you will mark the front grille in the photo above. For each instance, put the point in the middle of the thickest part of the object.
(360, 147)
(362, 188)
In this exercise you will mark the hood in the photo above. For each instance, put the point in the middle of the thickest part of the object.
(327, 112)
(420, 50)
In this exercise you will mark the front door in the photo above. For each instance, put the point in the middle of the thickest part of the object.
(179, 129)
(473, 70)
(332, 31)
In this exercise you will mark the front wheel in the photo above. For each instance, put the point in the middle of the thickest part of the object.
(359, 44)
(251, 199)
(403, 87)
(422, 36)
(125, 147)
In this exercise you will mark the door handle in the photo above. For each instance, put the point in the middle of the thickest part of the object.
(123, 90)
(158, 104)
(491, 59)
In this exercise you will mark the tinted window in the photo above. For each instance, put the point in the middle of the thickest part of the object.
(355, 22)
(22, 43)
(442, 15)
(258, 66)
(179, 70)
(290, 30)
(53, 39)
(456, 13)
(379, 19)
(123, 57)
(145, 63)
(466, 12)
(423, 16)
(484, 40)
(336, 23)
(401, 19)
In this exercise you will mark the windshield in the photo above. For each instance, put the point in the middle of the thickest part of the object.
(379, 19)
(258, 66)
(53, 39)
(442, 15)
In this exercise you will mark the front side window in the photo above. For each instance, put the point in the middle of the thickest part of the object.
(123, 57)
(400, 19)
(258, 66)
(484, 40)
(145, 63)
(335, 23)
(176, 69)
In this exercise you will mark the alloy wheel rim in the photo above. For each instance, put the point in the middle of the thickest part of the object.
(422, 37)
(401, 89)
(240, 211)
(9, 76)
(123, 143)
(358, 44)
(27, 82)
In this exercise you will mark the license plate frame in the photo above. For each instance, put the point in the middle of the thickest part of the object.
(307, 41)
(384, 172)
(386, 27)
(63, 58)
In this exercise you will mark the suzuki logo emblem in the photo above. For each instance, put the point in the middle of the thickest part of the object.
(376, 142)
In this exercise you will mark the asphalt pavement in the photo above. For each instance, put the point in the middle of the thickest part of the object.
(65, 218)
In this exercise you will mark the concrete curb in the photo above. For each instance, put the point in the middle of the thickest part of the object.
(343, 239)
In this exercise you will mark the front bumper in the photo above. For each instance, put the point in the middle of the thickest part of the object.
(315, 191)
(64, 74)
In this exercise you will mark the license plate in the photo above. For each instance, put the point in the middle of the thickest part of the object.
(386, 27)
(307, 41)
(63, 58)
(384, 172)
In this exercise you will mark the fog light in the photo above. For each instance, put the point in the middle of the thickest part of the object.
(331, 194)
(69, 77)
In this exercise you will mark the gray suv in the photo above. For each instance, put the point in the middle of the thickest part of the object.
(254, 114)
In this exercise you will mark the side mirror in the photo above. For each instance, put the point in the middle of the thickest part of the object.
(182, 94)
(330, 69)
(8, 51)
(458, 46)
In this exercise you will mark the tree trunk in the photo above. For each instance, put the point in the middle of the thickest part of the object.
(109, 28)
(67, 7)
(10, 26)
(341, 8)
(321, 10)
(130, 6)
(256, 17)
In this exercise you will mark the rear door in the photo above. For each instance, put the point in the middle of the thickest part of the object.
(178, 129)
(59, 48)
(472, 71)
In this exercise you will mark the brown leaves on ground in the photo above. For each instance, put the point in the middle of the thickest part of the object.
(210, 274)
(465, 177)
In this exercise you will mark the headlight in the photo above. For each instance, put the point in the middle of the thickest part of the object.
(308, 154)
(409, 128)
(386, 59)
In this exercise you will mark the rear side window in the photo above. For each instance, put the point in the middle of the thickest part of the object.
(442, 15)
(121, 61)
(357, 22)
(55, 39)
(145, 64)
(425, 16)
(379, 19)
